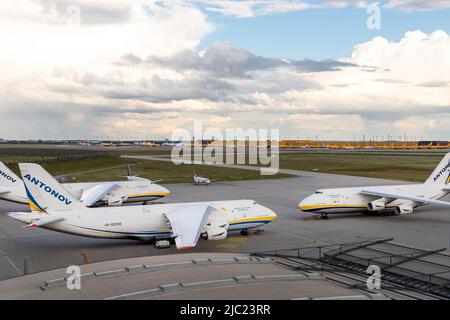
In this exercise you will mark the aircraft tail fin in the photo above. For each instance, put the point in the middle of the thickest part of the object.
(441, 175)
(45, 192)
(8, 177)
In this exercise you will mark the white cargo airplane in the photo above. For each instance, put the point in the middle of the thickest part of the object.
(400, 199)
(136, 190)
(57, 209)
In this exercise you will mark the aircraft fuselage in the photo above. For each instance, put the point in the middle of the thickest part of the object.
(341, 200)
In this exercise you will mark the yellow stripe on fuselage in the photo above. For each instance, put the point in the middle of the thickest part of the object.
(149, 194)
(117, 234)
(331, 206)
(271, 218)
(103, 233)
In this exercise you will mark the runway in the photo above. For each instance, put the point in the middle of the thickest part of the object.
(426, 228)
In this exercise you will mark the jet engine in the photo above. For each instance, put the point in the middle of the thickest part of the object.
(216, 228)
(214, 234)
(115, 199)
(404, 209)
(377, 205)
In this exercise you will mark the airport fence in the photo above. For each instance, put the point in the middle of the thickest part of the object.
(53, 157)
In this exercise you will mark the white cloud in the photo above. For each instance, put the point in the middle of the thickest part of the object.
(339, 4)
(419, 125)
(284, 6)
(225, 60)
(252, 8)
(48, 64)
(141, 74)
(417, 56)
(327, 122)
(418, 5)
(406, 90)
(36, 35)
(237, 9)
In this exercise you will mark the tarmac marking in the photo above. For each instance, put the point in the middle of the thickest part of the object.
(11, 263)
(227, 246)
(237, 239)
(232, 242)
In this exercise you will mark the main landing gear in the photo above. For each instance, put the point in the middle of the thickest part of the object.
(324, 216)
(387, 213)
(244, 233)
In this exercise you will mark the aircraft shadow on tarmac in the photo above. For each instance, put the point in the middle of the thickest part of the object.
(419, 216)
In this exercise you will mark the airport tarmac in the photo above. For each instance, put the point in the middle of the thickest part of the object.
(426, 228)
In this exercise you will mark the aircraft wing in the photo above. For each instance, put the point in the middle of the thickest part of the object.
(44, 221)
(187, 224)
(136, 178)
(404, 197)
(4, 190)
(34, 220)
(97, 192)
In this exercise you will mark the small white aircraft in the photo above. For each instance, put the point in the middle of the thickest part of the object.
(200, 180)
(55, 208)
(168, 143)
(399, 199)
(135, 190)
(84, 144)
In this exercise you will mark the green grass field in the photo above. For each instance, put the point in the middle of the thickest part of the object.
(155, 170)
(414, 167)
(395, 166)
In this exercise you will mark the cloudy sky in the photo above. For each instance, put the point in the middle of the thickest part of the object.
(127, 69)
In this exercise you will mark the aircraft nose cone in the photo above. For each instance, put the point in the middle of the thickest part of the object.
(271, 214)
(165, 191)
(303, 205)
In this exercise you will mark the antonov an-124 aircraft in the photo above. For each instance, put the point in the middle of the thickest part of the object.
(400, 199)
(135, 190)
(57, 209)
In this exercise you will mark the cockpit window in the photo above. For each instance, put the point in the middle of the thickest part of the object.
(318, 192)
